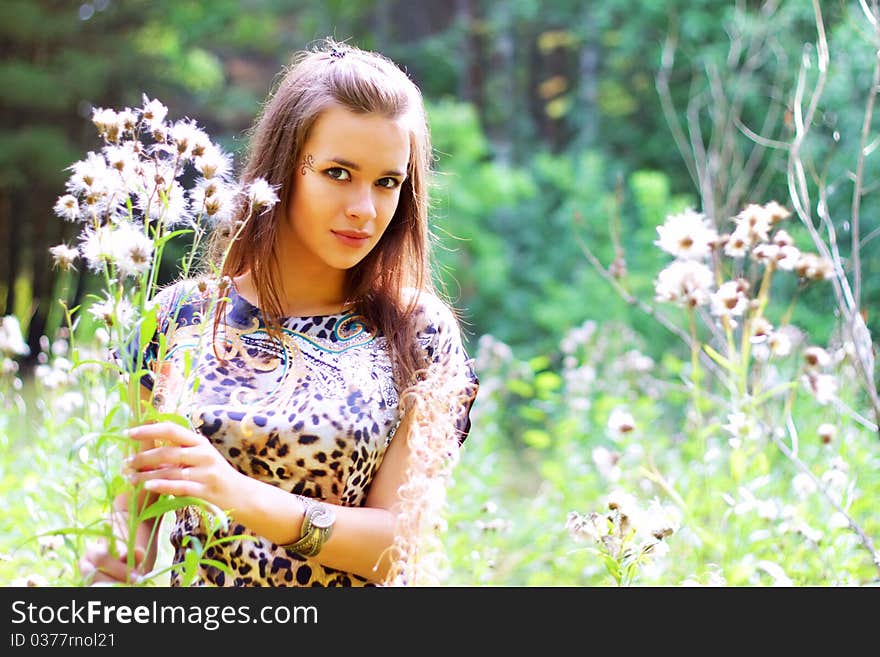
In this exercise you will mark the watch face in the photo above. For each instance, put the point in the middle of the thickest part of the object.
(323, 518)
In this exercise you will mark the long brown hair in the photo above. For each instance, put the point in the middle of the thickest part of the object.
(378, 287)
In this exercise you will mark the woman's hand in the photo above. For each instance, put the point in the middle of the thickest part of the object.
(186, 464)
(99, 566)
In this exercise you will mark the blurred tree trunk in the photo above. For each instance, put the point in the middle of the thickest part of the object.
(472, 80)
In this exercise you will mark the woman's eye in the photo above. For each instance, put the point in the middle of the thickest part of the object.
(388, 183)
(338, 173)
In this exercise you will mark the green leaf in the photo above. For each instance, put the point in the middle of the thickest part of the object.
(167, 503)
(149, 323)
(718, 358)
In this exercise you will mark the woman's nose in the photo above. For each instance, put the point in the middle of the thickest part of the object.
(361, 205)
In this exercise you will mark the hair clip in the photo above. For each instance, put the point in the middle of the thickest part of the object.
(335, 53)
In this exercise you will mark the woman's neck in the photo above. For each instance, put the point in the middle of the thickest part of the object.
(299, 296)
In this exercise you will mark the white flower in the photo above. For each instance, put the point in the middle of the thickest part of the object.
(737, 244)
(781, 238)
(586, 528)
(172, 207)
(91, 177)
(685, 282)
(30, 580)
(98, 248)
(124, 160)
(64, 256)
(188, 139)
(760, 330)
(11, 340)
(623, 502)
(606, 463)
(662, 520)
(822, 386)
(112, 313)
(814, 267)
(109, 124)
(788, 258)
(213, 162)
(741, 427)
(214, 198)
(154, 113)
(779, 343)
(754, 221)
(803, 485)
(261, 195)
(67, 207)
(729, 300)
(816, 357)
(133, 251)
(766, 253)
(687, 235)
(826, 432)
(776, 212)
(620, 422)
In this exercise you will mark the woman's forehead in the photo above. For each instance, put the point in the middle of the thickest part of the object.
(367, 141)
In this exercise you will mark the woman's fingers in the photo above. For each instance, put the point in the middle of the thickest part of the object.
(98, 566)
(161, 457)
(168, 432)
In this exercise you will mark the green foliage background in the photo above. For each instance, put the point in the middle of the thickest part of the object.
(549, 133)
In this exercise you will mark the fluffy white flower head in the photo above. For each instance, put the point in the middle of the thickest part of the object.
(687, 235)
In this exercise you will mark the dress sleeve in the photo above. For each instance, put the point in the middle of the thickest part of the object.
(441, 340)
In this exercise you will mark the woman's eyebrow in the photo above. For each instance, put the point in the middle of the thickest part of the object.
(348, 164)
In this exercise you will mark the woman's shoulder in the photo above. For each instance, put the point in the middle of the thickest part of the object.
(431, 312)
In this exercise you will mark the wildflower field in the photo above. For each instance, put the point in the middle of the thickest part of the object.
(676, 389)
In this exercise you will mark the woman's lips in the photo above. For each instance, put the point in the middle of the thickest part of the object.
(351, 238)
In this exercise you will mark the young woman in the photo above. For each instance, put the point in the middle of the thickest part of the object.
(324, 317)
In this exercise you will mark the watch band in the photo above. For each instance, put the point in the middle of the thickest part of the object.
(317, 525)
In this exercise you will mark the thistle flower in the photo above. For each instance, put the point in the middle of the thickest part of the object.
(736, 245)
(211, 162)
(261, 195)
(188, 140)
(214, 198)
(826, 432)
(133, 251)
(813, 267)
(685, 282)
(620, 422)
(582, 528)
(779, 343)
(687, 235)
(755, 222)
(153, 113)
(776, 212)
(730, 299)
(64, 256)
(606, 463)
(109, 124)
(98, 248)
(113, 313)
(816, 357)
(67, 207)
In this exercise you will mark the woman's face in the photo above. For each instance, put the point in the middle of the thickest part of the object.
(345, 190)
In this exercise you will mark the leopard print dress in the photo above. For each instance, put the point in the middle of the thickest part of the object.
(312, 413)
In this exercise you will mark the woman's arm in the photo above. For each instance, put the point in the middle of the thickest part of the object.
(189, 465)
